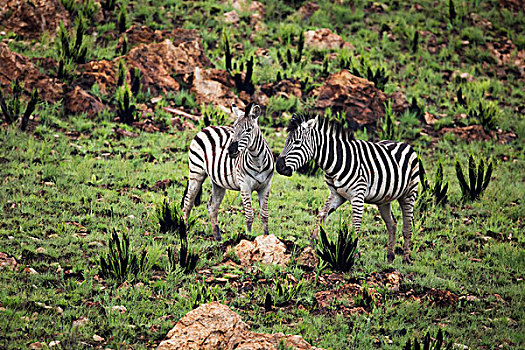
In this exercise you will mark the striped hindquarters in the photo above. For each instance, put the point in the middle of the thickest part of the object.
(208, 155)
(393, 170)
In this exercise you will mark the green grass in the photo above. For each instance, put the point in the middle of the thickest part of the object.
(62, 195)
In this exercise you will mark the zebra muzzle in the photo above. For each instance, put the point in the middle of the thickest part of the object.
(281, 167)
(233, 149)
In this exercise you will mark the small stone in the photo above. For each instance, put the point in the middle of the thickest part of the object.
(82, 321)
(30, 271)
(41, 250)
(36, 345)
(119, 308)
(54, 343)
(98, 338)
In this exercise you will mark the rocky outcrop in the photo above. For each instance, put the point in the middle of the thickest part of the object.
(362, 102)
(324, 39)
(266, 249)
(214, 86)
(15, 66)
(30, 19)
(214, 326)
(80, 101)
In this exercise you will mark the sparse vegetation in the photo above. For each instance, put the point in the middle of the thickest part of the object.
(122, 263)
(340, 254)
(12, 108)
(478, 178)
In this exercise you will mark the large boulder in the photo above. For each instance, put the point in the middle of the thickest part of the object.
(79, 101)
(266, 249)
(160, 62)
(214, 326)
(214, 86)
(30, 19)
(15, 66)
(362, 102)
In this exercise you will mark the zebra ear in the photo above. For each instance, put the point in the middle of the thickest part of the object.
(255, 112)
(309, 124)
(236, 111)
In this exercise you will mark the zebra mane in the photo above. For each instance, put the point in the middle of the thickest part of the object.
(298, 119)
(329, 125)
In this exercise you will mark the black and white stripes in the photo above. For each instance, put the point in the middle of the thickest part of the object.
(235, 158)
(357, 171)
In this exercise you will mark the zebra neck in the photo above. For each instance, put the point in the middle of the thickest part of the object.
(329, 144)
(256, 149)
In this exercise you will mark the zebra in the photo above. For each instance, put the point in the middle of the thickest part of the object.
(356, 171)
(238, 159)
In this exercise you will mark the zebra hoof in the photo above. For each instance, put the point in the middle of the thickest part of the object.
(217, 233)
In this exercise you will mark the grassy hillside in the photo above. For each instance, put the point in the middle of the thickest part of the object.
(71, 180)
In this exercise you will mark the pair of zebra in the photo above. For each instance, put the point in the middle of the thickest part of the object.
(240, 159)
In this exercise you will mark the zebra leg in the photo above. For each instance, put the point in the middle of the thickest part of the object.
(333, 202)
(358, 204)
(407, 208)
(246, 195)
(213, 208)
(194, 187)
(263, 206)
(386, 213)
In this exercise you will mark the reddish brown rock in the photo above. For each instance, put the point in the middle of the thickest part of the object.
(308, 258)
(399, 102)
(307, 10)
(283, 88)
(6, 261)
(468, 133)
(362, 102)
(214, 326)
(15, 66)
(324, 39)
(79, 101)
(159, 62)
(103, 73)
(30, 19)
(214, 86)
(266, 249)
(146, 35)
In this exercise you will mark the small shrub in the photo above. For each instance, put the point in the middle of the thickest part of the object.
(126, 105)
(428, 344)
(284, 291)
(462, 100)
(485, 115)
(478, 178)
(451, 11)
(437, 193)
(416, 109)
(388, 128)
(122, 19)
(235, 70)
(120, 262)
(415, 42)
(212, 116)
(12, 108)
(202, 294)
(339, 255)
(109, 5)
(69, 48)
(185, 258)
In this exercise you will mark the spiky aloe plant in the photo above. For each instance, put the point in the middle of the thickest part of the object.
(428, 343)
(12, 109)
(485, 115)
(340, 255)
(74, 49)
(284, 290)
(438, 192)
(126, 107)
(388, 129)
(478, 178)
(121, 263)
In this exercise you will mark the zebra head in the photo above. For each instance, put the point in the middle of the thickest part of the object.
(299, 145)
(243, 128)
